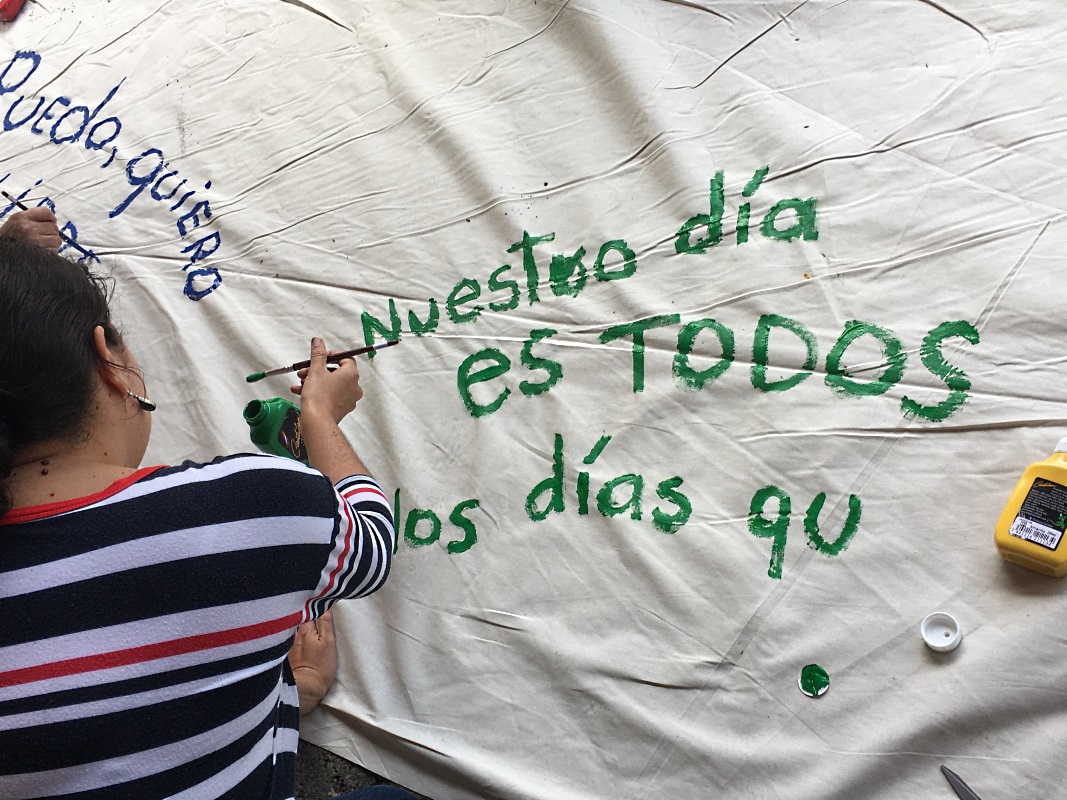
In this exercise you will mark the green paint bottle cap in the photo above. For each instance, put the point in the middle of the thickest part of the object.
(941, 632)
(814, 680)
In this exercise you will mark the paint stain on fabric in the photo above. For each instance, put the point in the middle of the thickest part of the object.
(814, 680)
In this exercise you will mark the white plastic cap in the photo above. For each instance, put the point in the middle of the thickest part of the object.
(1061, 446)
(941, 632)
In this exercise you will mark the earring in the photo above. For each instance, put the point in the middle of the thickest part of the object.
(143, 402)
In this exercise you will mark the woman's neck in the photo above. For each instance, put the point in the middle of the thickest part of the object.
(51, 472)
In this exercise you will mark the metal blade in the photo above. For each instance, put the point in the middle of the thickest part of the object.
(962, 789)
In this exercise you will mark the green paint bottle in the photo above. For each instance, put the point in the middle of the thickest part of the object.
(274, 426)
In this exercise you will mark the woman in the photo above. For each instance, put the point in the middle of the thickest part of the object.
(146, 612)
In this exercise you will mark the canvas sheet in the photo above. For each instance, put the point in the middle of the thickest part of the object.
(726, 329)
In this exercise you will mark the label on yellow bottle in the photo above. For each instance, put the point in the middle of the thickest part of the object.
(1042, 518)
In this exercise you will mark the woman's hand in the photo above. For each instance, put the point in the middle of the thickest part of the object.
(332, 394)
(313, 659)
(35, 225)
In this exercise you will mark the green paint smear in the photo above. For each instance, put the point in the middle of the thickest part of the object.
(814, 680)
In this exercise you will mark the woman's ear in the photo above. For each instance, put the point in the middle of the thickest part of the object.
(108, 357)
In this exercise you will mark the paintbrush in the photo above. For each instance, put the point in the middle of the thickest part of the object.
(333, 358)
(62, 235)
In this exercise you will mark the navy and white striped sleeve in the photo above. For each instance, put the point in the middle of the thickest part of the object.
(362, 551)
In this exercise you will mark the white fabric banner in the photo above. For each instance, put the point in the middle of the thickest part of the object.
(725, 331)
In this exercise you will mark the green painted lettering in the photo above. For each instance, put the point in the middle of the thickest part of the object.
(470, 533)
(896, 359)
(760, 360)
(840, 544)
(526, 245)
(496, 285)
(803, 227)
(629, 261)
(562, 268)
(372, 324)
(396, 519)
(530, 361)
(686, 376)
(583, 477)
(465, 379)
(712, 221)
(956, 380)
(605, 501)
(552, 485)
(419, 328)
(668, 490)
(463, 292)
(745, 210)
(776, 529)
(637, 331)
(415, 516)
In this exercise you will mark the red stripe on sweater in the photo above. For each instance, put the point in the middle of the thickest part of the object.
(341, 559)
(355, 491)
(147, 652)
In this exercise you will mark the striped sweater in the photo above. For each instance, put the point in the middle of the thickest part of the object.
(144, 629)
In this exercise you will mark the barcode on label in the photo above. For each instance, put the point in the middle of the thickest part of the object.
(1036, 532)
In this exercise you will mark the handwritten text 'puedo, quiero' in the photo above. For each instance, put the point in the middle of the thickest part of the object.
(62, 123)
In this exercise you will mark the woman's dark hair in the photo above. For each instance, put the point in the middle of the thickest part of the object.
(48, 365)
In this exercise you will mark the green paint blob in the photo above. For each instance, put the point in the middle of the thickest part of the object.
(761, 345)
(842, 383)
(530, 361)
(712, 221)
(955, 378)
(776, 529)
(629, 258)
(686, 376)
(814, 680)
(637, 331)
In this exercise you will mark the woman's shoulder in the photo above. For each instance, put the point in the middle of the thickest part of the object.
(238, 464)
(241, 485)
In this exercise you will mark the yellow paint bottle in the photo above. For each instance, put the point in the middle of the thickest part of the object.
(1031, 528)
